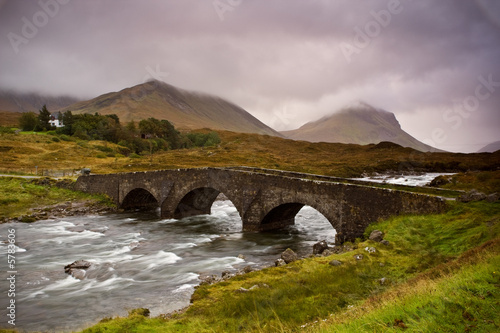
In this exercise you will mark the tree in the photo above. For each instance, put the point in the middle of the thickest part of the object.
(67, 121)
(44, 117)
(28, 121)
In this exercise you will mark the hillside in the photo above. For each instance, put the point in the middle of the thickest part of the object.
(185, 109)
(22, 152)
(361, 124)
(491, 148)
(24, 102)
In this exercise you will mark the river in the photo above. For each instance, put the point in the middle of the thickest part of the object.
(139, 260)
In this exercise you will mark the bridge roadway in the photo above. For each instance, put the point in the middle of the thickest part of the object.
(265, 199)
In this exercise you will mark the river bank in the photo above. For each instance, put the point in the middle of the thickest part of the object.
(33, 199)
(376, 287)
(62, 210)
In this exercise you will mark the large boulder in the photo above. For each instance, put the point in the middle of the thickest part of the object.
(320, 247)
(289, 256)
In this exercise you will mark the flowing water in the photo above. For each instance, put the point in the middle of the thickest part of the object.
(138, 260)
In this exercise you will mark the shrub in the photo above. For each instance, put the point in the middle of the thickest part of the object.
(134, 155)
(6, 130)
(56, 139)
(64, 137)
(104, 149)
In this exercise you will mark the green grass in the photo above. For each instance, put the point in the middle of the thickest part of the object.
(432, 252)
(18, 196)
(464, 298)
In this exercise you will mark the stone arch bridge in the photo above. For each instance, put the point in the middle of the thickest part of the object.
(265, 199)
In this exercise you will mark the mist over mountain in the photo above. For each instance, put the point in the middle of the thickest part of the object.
(360, 124)
(24, 102)
(185, 109)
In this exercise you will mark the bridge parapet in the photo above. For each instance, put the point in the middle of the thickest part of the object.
(265, 199)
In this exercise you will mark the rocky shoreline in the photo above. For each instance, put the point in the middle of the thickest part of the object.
(62, 210)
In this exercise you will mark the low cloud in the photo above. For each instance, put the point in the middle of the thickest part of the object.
(284, 61)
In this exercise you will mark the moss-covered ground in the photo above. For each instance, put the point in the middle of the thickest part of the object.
(19, 196)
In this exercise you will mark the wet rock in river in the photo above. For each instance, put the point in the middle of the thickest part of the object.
(78, 269)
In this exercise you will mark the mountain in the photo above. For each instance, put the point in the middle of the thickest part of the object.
(184, 109)
(360, 124)
(491, 148)
(23, 102)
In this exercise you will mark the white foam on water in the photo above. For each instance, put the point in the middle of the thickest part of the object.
(410, 180)
(159, 259)
(167, 221)
(184, 287)
(219, 263)
(20, 249)
(57, 285)
(184, 246)
(65, 236)
(184, 278)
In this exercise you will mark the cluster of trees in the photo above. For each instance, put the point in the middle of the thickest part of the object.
(149, 135)
(30, 121)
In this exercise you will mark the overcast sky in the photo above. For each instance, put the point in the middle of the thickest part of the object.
(435, 64)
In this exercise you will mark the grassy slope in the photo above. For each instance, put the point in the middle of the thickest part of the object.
(18, 196)
(20, 153)
(434, 281)
(9, 118)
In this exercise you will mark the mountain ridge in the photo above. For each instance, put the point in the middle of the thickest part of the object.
(490, 148)
(183, 108)
(359, 124)
(13, 101)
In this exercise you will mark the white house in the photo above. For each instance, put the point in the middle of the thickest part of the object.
(55, 122)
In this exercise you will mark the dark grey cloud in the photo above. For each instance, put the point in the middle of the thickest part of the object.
(284, 61)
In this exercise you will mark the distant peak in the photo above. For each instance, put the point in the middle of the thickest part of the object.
(359, 105)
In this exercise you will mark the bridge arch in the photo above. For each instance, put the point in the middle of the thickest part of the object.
(197, 201)
(283, 214)
(139, 198)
